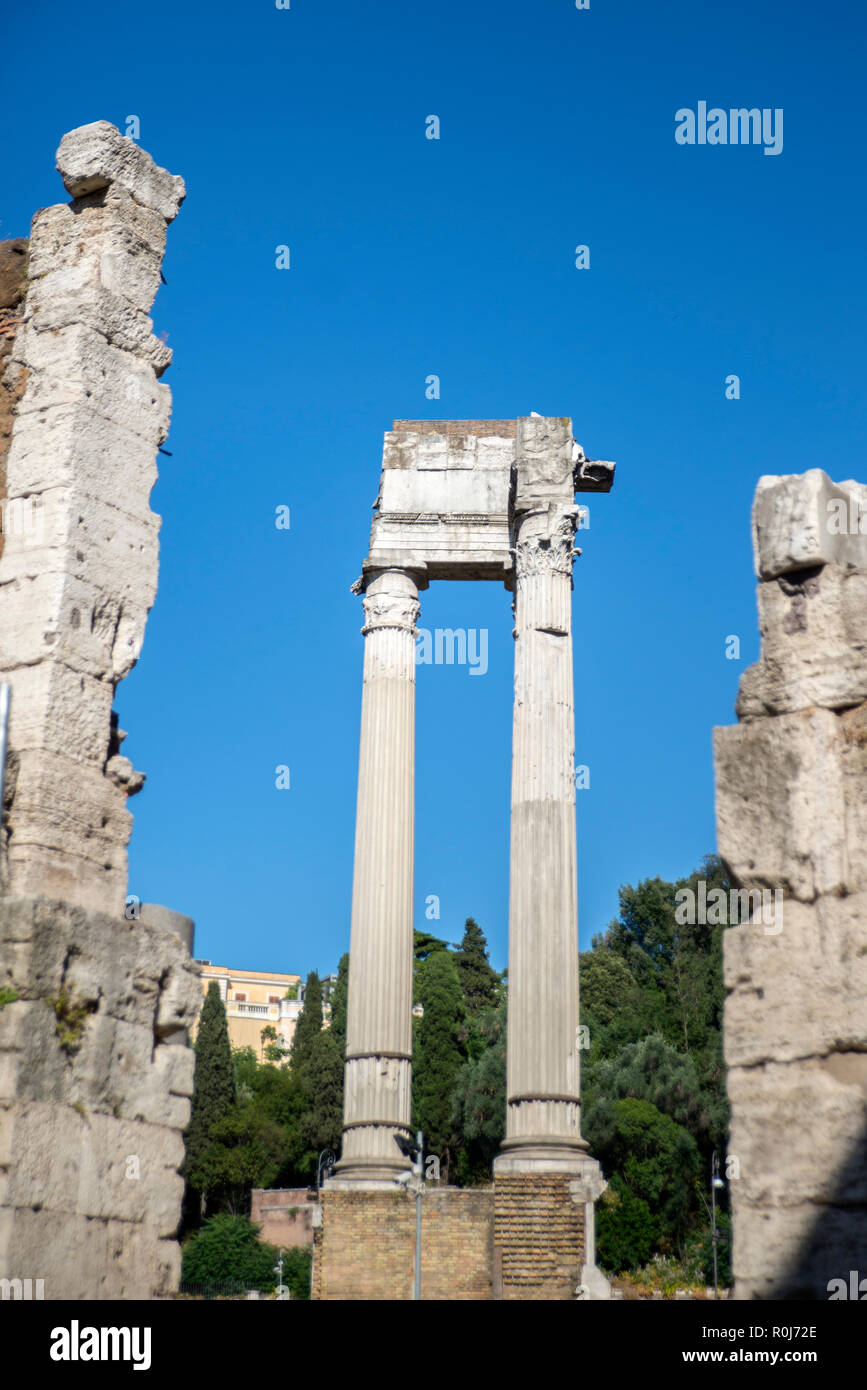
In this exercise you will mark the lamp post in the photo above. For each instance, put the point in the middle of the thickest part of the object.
(327, 1161)
(415, 1152)
(715, 1182)
(281, 1291)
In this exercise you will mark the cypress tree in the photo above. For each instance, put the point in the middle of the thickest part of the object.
(308, 1028)
(213, 1084)
(339, 1002)
(437, 1051)
(479, 981)
(323, 1121)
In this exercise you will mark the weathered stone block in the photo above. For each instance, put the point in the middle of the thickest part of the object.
(792, 524)
(814, 644)
(772, 778)
(798, 992)
(78, 368)
(94, 156)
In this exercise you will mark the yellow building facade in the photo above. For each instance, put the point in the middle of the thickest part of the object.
(255, 1000)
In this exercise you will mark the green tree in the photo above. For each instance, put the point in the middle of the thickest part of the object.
(308, 1027)
(297, 1269)
(273, 1047)
(626, 1231)
(213, 1091)
(227, 1249)
(437, 1051)
(478, 1102)
(424, 945)
(479, 981)
(246, 1150)
(340, 1001)
(654, 1071)
(322, 1122)
(647, 1154)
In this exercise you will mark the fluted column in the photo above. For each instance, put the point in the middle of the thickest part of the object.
(543, 1120)
(377, 1078)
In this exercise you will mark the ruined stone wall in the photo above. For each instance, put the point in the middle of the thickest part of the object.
(79, 565)
(95, 1080)
(792, 816)
(95, 1067)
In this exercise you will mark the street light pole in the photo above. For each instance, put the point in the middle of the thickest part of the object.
(715, 1182)
(327, 1161)
(419, 1166)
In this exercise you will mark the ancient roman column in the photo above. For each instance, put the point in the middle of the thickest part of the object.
(377, 1099)
(543, 1125)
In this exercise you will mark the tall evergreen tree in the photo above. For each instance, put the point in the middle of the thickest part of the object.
(425, 944)
(479, 981)
(323, 1120)
(308, 1027)
(339, 1002)
(213, 1088)
(437, 1051)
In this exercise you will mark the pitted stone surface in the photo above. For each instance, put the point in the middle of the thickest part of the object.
(94, 156)
(95, 1069)
(91, 1134)
(792, 818)
(78, 573)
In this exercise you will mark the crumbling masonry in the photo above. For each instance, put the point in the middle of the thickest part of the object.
(95, 1068)
(792, 815)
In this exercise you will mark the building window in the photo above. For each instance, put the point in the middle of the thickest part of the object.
(240, 998)
(273, 999)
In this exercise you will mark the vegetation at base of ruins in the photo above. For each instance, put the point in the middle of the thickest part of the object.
(653, 1083)
(439, 1050)
(653, 1078)
(262, 1124)
(8, 995)
(227, 1249)
(69, 1021)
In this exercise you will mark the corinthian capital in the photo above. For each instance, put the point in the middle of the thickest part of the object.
(544, 543)
(390, 601)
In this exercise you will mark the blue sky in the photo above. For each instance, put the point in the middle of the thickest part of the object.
(306, 127)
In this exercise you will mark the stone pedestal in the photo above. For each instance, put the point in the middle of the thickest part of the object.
(377, 1086)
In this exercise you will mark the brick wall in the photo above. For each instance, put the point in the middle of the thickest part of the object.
(284, 1215)
(503, 429)
(539, 1235)
(365, 1246)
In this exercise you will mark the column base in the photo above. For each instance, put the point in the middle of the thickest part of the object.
(368, 1177)
(543, 1155)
